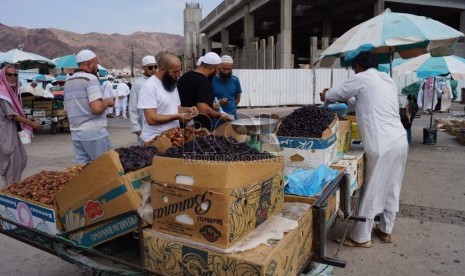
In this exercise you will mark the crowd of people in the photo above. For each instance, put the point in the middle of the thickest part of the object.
(160, 100)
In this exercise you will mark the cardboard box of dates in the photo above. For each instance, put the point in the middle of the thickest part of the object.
(215, 202)
(103, 190)
(30, 202)
(171, 255)
(321, 144)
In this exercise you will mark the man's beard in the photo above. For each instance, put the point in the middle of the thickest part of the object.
(225, 76)
(168, 82)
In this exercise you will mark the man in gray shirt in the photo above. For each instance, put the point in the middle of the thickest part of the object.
(149, 65)
(85, 107)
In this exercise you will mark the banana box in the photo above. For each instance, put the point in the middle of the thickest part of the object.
(102, 190)
(29, 213)
(170, 255)
(211, 202)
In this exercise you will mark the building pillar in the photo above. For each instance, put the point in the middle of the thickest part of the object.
(224, 41)
(248, 37)
(285, 52)
(270, 54)
(378, 7)
(313, 50)
(327, 27)
(208, 44)
(462, 21)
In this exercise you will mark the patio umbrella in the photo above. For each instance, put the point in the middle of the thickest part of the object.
(102, 71)
(68, 61)
(25, 60)
(407, 34)
(43, 77)
(428, 66)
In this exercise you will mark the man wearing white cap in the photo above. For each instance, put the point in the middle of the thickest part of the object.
(159, 99)
(149, 66)
(108, 92)
(226, 87)
(195, 90)
(85, 107)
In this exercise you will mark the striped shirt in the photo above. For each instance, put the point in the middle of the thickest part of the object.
(80, 90)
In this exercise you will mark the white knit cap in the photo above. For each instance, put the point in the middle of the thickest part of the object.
(85, 55)
(227, 59)
(211, 58)
(148, 60)
(199, 61)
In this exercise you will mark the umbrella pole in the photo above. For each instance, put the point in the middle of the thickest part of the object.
(432, 103)
(391, 57)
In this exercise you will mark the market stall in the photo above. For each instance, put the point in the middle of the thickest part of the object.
(194, 198)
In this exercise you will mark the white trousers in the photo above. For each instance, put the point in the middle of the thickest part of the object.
(109, 110)
(361, 231)
(121, 106)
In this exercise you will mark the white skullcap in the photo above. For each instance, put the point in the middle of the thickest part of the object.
(227, 59)
(211, 58)
(148, 60)
(85, 55)
(199, 61)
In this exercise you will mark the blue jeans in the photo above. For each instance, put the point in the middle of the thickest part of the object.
(86, 151)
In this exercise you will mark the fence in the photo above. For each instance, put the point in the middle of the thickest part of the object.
(282, 87)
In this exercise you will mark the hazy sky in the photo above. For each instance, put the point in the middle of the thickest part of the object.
(102, 16)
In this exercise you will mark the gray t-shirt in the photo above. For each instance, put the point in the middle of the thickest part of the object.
(80, 90)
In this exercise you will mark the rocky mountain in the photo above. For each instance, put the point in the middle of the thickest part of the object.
(114, 50)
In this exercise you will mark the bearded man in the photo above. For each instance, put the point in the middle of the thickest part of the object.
(159, 99)
(226, 87)
(86, 110)
(195, 90)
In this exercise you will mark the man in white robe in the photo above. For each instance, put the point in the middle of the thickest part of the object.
(122, 91)
(385, 145)
(427, 95)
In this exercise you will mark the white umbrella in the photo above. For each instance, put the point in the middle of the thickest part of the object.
(390, 32)
(25, 60)
(428, 66)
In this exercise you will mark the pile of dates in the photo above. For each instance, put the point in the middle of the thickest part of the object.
(308, 121)
(216, 148)
(42, 186)
(177, 136)
(136, 157)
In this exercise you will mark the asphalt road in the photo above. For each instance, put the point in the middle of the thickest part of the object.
(428, 236)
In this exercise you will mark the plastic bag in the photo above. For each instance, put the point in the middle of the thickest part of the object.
(309, 182)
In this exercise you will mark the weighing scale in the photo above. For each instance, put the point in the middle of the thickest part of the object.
(260, 131)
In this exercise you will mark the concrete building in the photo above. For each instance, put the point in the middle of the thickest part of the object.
(268, 34)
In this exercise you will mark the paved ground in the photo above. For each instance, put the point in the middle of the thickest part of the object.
(429, 233)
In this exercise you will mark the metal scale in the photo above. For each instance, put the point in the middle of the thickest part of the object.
(260, 133)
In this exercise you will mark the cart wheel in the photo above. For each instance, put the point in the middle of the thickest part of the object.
(53, 128)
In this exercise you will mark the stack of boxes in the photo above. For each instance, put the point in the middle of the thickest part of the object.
(204, 209)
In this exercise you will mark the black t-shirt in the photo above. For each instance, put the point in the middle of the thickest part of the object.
(193, 88)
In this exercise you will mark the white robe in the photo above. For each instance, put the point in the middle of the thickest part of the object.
(447, 96)
(384, 138)
(122, 90)
(427, 98)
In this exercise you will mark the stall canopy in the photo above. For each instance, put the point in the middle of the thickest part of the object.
(42, 77)
(389, 33)
(69, 61)
(428, 66)
(25, 60)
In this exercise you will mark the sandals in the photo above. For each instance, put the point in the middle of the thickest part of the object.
(351, 243)
(384, 237)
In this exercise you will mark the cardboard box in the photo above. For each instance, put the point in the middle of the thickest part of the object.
(223, 201)
(311, 152)
(27, 100)
(59, 112)
(101, 191)
(29, 213)
(46, 105)
(333, 199)
(345, 136)
(168, 255)
(38, 113)
(354, 163)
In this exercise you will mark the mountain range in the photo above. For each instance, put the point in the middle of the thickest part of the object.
(113, 50)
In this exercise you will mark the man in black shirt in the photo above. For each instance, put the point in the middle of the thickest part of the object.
(194, 89)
